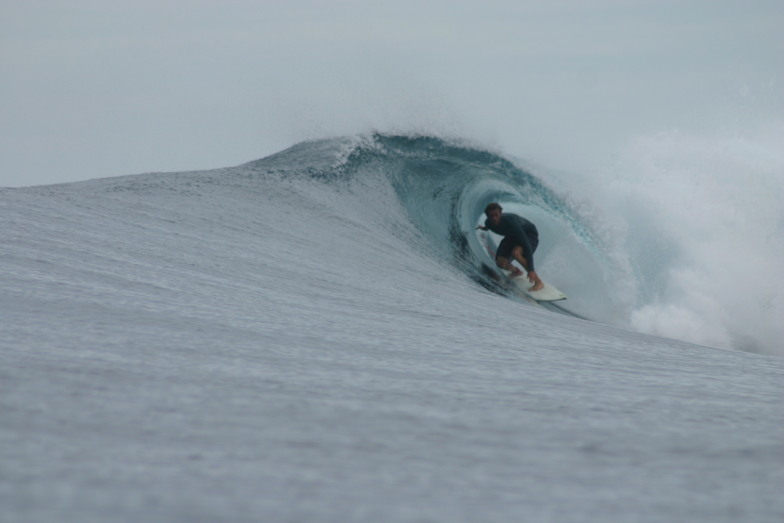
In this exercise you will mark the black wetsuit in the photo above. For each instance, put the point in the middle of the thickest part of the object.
(516, 230)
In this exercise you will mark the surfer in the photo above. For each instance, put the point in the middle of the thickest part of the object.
(520, 241)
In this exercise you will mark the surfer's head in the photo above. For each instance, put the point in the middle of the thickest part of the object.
(493, 212)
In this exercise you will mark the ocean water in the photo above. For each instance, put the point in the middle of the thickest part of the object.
(319, 336)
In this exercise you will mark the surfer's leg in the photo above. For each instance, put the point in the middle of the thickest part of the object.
(517, 253)
(503, 256)
(505, 264)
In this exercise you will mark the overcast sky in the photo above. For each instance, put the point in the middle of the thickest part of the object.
(96, 88)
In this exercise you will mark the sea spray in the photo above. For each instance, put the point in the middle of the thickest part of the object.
(704, 230)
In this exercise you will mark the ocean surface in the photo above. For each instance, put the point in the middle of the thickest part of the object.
(320, 335)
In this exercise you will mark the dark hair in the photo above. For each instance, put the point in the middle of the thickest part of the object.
(492, 207)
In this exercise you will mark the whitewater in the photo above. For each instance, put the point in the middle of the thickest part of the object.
(320, 335)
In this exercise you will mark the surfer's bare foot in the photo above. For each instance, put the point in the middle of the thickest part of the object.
(516, 272)
(536, 280)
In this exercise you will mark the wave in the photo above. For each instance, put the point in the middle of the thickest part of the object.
(613, 264)
(443, 187)
(626, 250)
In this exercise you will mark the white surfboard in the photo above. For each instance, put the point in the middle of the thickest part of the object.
(546, 293)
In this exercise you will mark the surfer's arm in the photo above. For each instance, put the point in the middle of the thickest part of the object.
(481, 228)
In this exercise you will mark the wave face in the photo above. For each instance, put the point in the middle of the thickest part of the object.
(615, 259)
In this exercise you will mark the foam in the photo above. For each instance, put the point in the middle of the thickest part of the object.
(704, 217)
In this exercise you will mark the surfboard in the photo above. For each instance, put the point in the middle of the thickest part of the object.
(546, 293)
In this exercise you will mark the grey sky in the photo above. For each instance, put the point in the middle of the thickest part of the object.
(104, 88)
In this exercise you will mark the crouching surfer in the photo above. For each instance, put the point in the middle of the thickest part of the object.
(520, 241)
